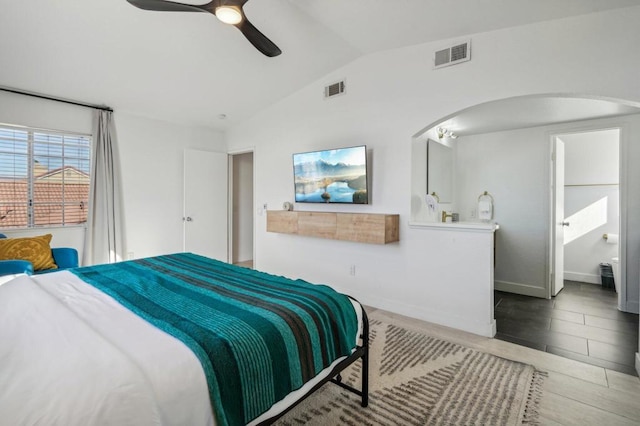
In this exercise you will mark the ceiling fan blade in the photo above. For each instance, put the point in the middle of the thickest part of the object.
(259, 40)
(167, 6)
(255, 37)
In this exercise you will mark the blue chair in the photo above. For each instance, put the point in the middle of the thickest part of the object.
(65, 258)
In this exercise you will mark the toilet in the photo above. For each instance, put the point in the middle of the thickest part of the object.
(616, 273)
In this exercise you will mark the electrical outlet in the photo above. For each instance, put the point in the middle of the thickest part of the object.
(352, 270)
(129, 255)
(472, 213)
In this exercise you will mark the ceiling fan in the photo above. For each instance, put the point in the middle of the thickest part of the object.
(228, 11)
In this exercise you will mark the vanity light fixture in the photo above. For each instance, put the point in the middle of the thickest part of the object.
(445, 133)
(229, 15)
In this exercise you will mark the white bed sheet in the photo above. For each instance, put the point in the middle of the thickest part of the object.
(78, 357)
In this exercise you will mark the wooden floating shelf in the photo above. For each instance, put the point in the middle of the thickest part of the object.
(371, 228)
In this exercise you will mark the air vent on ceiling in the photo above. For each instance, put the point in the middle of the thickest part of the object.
(334, 89)
(452, 55)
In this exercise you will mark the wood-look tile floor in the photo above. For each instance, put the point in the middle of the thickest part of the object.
(582, 323)
(245, 264)
(574, 393)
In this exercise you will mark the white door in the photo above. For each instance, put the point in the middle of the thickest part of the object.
(205, 203)
(557, 228)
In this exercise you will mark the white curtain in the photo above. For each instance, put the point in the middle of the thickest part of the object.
(104, 241)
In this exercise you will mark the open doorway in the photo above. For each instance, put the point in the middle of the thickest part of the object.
(581, 320)
(241, 209)
(586, 208)
(503, 146)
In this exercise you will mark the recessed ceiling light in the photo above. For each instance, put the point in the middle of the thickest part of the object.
(229, 15)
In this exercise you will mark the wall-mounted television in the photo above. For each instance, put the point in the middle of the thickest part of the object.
(331, 176)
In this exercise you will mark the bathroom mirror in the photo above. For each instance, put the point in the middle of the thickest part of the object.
(440, 170)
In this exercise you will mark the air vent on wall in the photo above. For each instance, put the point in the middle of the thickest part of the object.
(334, 89)
(452, 55)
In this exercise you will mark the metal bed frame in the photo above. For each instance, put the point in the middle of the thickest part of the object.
(361, 352)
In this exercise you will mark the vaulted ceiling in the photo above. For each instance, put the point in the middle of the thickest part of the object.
(189, 68)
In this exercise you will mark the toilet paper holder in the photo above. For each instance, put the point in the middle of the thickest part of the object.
(610, 238)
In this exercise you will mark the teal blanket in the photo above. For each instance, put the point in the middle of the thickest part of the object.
(258, 336)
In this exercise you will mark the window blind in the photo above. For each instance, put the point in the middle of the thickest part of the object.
(44, 177)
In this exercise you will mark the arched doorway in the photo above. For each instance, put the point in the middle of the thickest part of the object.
(504, 147)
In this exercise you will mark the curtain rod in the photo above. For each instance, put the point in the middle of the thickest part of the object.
(51, 98)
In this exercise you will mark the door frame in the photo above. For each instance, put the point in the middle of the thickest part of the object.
(231, 154)
(623, 168)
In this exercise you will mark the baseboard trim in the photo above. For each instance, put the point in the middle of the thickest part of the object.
(631, 306)
(486, 328)
(583, 278)
(519, 288)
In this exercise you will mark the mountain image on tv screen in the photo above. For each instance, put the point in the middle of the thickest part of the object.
(331, 176)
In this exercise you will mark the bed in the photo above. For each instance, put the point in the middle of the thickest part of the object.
(173, 340)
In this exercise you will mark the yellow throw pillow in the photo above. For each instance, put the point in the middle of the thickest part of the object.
(34, 249)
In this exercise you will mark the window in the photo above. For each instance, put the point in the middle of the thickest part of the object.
(44, 177)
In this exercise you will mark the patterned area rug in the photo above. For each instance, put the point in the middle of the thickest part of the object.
(416, 379)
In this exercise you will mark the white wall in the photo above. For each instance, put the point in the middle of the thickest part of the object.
(391, 96)
(630, 215)
(34, 112)
(513, 166)
(592, 198)
(591, 158)
(151, 155)
(242, 207)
